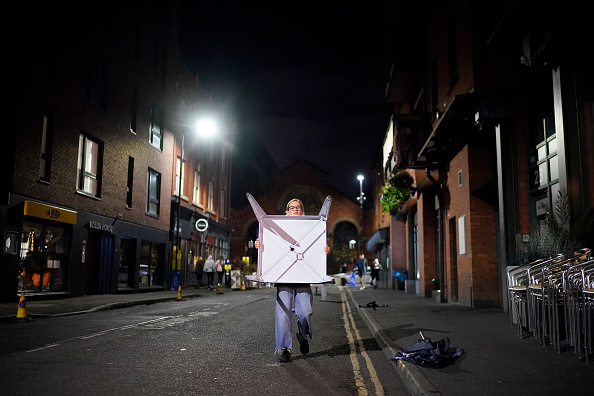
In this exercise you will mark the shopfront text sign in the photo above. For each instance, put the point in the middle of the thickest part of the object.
(95, 225)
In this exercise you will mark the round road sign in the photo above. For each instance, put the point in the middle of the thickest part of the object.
(202, 225)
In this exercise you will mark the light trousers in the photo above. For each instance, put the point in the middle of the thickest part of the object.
(363, 279)
(284, 313)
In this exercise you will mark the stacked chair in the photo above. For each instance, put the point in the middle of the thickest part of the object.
(516, 289)
(553, 298)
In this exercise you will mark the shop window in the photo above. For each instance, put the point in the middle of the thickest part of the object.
(42, 257)
(127, 262)
(151, 269)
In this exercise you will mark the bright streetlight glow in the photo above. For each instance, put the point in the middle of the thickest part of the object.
(360, 178)
(206, 127)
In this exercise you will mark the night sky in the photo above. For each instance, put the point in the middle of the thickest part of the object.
(308, 76)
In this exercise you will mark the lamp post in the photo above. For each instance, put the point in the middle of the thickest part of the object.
(360, 198)
(204, 128)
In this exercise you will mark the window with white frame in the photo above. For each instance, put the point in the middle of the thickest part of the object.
(156, 133)
(153, 192)
(210, 196)
(89, 167)
(177, 177)
(196, 194)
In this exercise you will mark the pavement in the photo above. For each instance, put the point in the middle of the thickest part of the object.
(496, 359)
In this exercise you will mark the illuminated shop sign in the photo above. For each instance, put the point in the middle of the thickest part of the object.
(48, 212)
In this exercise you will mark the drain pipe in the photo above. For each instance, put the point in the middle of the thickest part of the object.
(440, 237)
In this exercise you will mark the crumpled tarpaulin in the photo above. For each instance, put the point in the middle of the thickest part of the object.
(426, 353)
(372, 304)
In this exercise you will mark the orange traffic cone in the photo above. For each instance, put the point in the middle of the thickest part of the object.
(179, 295)
(22, 311)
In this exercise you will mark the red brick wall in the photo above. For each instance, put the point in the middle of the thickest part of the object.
(477, 269)
(427, 243)
(398, 244)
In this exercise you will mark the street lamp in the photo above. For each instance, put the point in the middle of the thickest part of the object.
(360, 198)
(204, 128)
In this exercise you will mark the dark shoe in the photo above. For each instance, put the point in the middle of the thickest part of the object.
(303, 344)
(285, 357)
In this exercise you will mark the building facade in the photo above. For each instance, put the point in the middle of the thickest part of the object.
(88, 170)
(492, 116)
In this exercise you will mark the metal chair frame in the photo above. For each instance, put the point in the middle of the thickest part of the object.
(546, 296)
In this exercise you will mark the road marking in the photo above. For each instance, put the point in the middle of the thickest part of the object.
(103, 332)
(352, 335)
(164, 321)
(43, 347)
(359, 381)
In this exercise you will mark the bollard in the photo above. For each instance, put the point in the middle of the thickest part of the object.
(219, 290)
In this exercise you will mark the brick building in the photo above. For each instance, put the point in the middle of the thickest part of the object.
(89, 169)
(492, 116)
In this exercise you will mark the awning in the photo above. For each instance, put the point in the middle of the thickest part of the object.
(382, 235)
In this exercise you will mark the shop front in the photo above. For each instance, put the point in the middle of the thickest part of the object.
(44, 248)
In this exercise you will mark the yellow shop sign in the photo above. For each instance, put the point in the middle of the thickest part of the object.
(47, 212)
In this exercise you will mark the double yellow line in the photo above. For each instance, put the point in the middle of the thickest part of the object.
(355, 340)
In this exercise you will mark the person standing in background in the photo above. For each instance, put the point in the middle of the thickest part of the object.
(220, 262)
(375, 269)
(199, 271)
(210, 267)
(361, 265)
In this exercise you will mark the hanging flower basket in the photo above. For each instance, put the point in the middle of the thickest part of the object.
(397, 191)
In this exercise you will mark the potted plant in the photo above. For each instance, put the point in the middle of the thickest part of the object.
(397, 191)
(559, 231)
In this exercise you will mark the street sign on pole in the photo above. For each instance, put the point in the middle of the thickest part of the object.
(201, 225)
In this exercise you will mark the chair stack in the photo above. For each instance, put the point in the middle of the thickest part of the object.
(585, 316)
(554, 299)
(516, 290)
